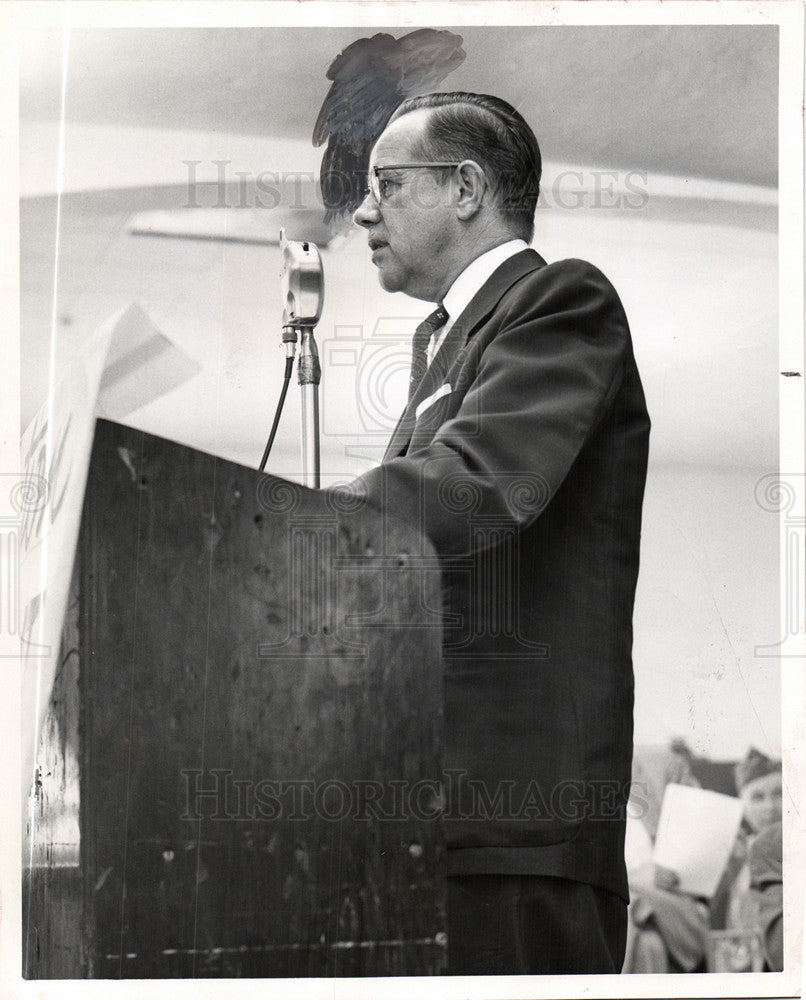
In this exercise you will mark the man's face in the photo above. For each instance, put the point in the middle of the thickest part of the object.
(411, 230)
(761, 800)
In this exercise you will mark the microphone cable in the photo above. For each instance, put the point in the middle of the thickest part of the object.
(289, 367)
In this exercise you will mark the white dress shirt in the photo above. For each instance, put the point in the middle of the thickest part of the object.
(468, 283)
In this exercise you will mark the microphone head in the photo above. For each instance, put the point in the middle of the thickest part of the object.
(302, 282)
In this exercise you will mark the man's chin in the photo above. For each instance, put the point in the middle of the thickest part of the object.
(390, 282)
(395, 283)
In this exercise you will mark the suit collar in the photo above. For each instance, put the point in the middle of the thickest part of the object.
(474, 276)
(477, 311)
(491, 292)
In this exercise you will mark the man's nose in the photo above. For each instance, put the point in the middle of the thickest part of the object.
(367, 214)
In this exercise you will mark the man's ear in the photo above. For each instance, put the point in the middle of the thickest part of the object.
(471, 185)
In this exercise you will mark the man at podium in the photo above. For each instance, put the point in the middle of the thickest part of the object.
(522, 455)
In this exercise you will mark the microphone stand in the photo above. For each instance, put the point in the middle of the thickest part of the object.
(309, 374)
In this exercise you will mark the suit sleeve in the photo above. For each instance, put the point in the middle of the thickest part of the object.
(538, 390)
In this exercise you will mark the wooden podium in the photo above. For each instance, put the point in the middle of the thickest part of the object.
(239, 775)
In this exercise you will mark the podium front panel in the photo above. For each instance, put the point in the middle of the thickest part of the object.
(258, 686)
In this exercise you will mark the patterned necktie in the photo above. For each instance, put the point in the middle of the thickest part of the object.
(419, 346)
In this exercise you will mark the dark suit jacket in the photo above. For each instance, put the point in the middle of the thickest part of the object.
(523, 457)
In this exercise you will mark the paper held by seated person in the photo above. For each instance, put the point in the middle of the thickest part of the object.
(696, 833)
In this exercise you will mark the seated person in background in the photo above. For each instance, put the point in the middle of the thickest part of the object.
(758, 779)
(766, 884)
(716, 775)
(668, 929)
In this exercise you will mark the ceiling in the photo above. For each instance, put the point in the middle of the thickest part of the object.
(700, 101)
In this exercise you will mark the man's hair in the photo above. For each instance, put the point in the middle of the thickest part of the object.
(488, 130)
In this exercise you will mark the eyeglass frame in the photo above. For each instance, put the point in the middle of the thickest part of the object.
(374, 190)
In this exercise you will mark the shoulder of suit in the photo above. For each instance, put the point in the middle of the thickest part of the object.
(570, 284)
(572, 268)
(572, 275)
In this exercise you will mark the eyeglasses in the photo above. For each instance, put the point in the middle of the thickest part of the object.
(380, 188)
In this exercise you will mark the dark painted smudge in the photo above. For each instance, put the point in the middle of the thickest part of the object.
(370, 79)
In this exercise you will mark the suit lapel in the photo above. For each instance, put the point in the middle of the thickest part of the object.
(476, 312)
(433, 378)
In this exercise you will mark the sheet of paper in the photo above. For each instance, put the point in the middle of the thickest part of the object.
(696, 833)
(127, 363)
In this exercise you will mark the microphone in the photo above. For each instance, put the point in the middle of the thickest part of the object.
(303, 291)
(302, 284)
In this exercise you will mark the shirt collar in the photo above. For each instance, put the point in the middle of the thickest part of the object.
(475, 274)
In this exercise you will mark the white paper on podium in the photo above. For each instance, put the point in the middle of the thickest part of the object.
(127, 363)
(696, 833)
